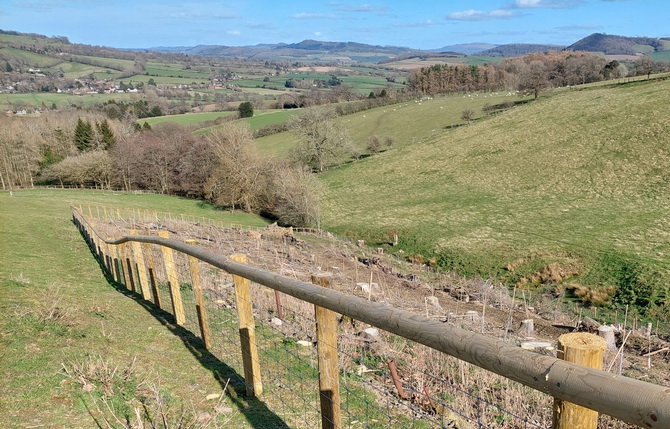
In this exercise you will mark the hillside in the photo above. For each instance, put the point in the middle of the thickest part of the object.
(620, 45)
(518, 49)
(311, 50)
(546, 183)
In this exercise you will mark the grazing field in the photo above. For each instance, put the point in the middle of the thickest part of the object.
(186, 119)
(406, 123)
(58, 313)
(60, 100)
(578, 179)
(73, 70)
(30, 58)
(415, 63)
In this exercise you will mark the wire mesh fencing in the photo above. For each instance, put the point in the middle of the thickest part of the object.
(312, 366)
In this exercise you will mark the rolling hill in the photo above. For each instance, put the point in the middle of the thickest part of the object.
(518, 49)
(620, 45)
(578, 179)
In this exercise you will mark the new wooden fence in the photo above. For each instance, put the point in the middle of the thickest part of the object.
(129, 260)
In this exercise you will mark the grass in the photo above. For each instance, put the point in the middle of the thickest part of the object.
(56, 310)
(186, 119)
(60, 100)
(579, 174)
(33, 59)
(261, 119)
(73, 70)
(407, 123)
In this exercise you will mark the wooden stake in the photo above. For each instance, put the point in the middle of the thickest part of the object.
(584, 349)
(252, 367)
(199, 299)
(173, 281)
(138, 256)
(396, 379)
(151, 268)
(326, 341)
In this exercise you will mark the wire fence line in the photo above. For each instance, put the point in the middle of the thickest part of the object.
(344, 381)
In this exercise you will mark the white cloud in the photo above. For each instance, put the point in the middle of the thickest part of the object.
(426, 23)
(478, 15)
(360, 8)
(233, 32)
(545, 4)
(305, 15)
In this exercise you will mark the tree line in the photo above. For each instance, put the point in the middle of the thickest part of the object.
(531, 73)
(91, 150)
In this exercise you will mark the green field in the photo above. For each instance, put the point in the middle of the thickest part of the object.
(407, 123)
(661, 56)
(578, 178)
(262, 118)
(175, 70)
(186, 119)
(31, 58)
(60, 100)
(58, 311)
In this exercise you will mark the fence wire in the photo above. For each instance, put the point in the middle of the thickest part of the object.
(385, 380)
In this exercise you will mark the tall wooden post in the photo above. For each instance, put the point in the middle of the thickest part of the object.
(252, 366)
(117, 269)
(199, 298)
(123, 258)
(329, 378)
(138, 255)
(151, 267)
(173, 281)
(584, 349)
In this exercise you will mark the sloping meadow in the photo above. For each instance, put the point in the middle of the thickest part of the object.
(575, 184)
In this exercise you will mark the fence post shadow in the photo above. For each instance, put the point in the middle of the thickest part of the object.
(256, 412)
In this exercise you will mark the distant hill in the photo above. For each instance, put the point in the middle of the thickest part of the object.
(620, 45)
(313, 49)
(466, 48)
(519, 49)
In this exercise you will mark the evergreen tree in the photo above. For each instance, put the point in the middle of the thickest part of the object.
(246, 109)
(83, 135)
(107, 138)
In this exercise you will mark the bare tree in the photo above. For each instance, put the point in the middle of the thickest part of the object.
(468, 115)
(644, 65)
(240, 178)
(322, 142)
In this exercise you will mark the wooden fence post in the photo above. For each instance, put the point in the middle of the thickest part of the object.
(117, 269)
(584, 349)
(199, 299)
(329, 368)
(173, 281)
(152, 273)
(141, 267)
(123, 259)
(252, 367)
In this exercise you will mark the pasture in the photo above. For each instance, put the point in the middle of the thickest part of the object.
(577, 179)
(59, 312)
(60, 100)
(186, 119)
(407, 123)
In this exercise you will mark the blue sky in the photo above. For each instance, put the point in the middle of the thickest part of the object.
(416, 24)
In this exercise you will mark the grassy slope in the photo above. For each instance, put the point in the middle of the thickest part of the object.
(407, 122)
(582, 172)
(186, 119)
(42, 252)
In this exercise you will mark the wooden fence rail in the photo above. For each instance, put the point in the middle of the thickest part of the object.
(636, 402)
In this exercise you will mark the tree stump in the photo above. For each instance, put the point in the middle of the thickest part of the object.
(527, 327)
(606, 332)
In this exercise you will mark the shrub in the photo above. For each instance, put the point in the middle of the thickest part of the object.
(246, 109)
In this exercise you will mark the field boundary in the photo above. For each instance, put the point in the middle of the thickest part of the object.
(633, 401)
